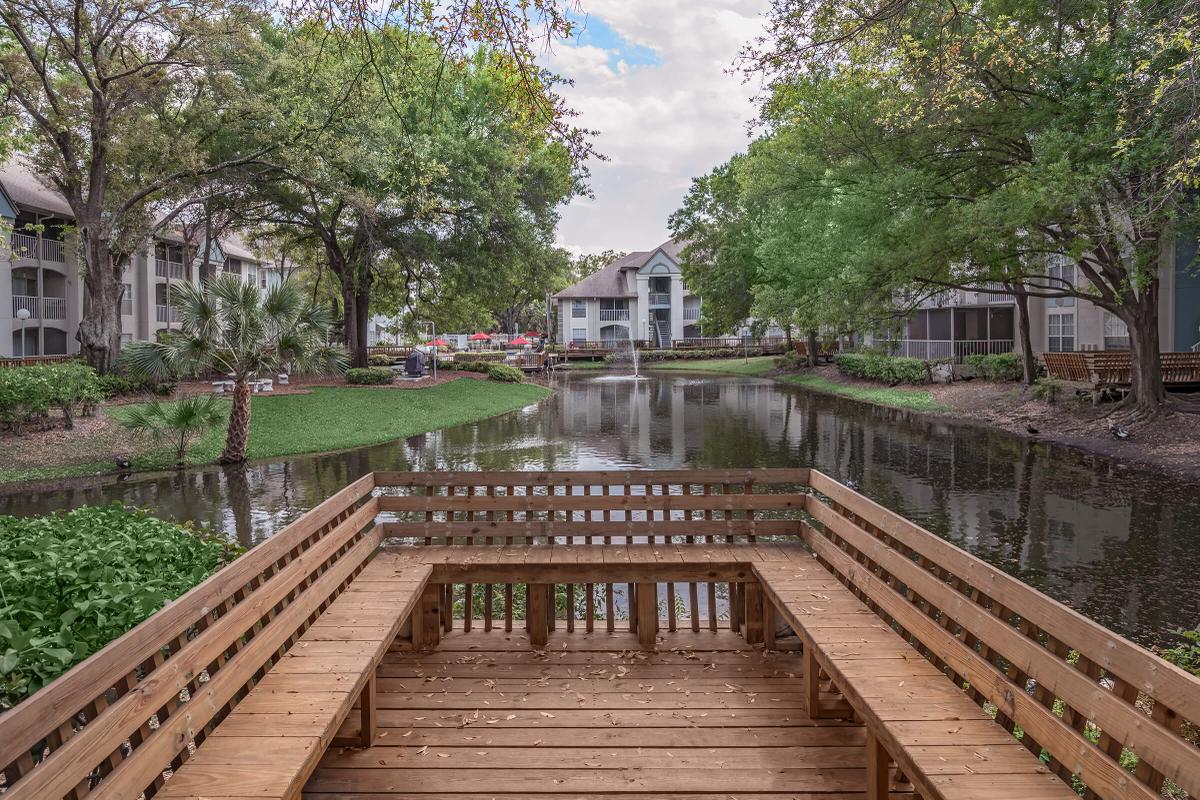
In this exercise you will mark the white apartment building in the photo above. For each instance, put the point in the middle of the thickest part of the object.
(639, 296)
(42, 291)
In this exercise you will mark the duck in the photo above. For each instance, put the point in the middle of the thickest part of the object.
(1032, 431)
(1117, 431)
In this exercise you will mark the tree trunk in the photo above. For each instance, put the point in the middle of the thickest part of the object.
(238, 434)
(813, 348)
(362, 319)
(787, 337)
(1148, 392)
(1024, 341)
(100, 324)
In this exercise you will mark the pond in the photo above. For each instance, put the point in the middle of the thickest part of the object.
(1120, 545)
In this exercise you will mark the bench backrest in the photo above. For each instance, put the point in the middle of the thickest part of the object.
(591, 507)
(112, 725)
(1086, 699)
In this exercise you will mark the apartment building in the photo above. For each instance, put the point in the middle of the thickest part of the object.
(42, 291)
(958, 323)
(639, 296)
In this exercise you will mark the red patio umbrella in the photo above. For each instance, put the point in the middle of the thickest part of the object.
(533, 334)
(479, 337)
(520, 340)
(438, 343)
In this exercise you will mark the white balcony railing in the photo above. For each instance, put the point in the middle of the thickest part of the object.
(40, 307)
(25, 245)
(660, 298)
(691, 313)
(938, 349)
(166, 314)
(610, 314)
(170, 269)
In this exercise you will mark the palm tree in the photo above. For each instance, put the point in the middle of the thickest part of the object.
(230, 327)
(182, 422)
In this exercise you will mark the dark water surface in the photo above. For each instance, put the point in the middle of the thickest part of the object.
(1119, 544)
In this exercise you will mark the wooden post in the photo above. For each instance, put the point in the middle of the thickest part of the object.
(877, 769)
(754, 612)
(812, 683)
(366, 702)
(427, 626)
(537, 614)
(770, 621)
(647, 615)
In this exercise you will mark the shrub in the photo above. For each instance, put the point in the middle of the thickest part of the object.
(1046, 390)
(28, 393)
(505, 373)
(471, 366)
(369, 376)
(789, 360)
(379, 360)
(124, 382)
(1186, 655)
(181, 422)
(485, 355)
(75, 581)
(998, 366)
(887, 369)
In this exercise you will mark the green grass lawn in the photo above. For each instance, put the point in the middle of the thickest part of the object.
(914, 399)
(758, 365)
(332, 418)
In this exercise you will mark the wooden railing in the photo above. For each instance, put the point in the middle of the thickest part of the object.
(587, 510)
(140, 706)
(393, 350)
(1085, 700)
(1101, 368)
(1105, 715)
(30, 361)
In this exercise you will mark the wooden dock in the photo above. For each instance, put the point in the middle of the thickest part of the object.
(625, 634)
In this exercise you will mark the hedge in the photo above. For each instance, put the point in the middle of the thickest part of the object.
(504, 373)
(74, 582)
(887, 369)
(379, 360)
(29, 393)
(998, 366)
(369, 376)
(646, 356)
(486, 355)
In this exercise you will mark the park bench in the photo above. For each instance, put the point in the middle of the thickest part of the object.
(943, 657)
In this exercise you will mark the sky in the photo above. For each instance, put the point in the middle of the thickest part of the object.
(651, 77)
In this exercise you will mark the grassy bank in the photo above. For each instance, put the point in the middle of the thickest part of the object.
(330, 418)
(913, 399)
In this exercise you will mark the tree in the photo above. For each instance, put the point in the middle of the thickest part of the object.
(231, 327)
(115, 101)
(1022, 132)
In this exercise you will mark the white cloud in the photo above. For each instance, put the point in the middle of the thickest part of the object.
(660, 124)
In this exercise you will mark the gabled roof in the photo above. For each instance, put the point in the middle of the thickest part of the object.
(609, 282)
(28, 191)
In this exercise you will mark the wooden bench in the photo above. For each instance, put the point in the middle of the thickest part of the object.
(1093, 708)
(119, 724)
(271, 742)
(943, 743)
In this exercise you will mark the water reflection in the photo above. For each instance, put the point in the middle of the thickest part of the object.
(1118, 544)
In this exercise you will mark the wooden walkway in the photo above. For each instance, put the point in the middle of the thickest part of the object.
(484, 716)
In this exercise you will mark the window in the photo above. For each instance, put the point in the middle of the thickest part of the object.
(1116, 332)
(578, 309)
(126, 338)
(251, 273)
(578, 334)
(1062, 271)
(233, 265)
(127, 298)
(1061, 330)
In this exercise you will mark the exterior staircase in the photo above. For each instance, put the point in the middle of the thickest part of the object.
(662, 333)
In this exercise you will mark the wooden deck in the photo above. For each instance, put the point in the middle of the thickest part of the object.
(485, 716)
(619, 634)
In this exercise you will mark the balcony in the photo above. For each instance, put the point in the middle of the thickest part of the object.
(660, 298)
(40, 307)
(31, 246)
(172, 270)
(950, 349)
(611, 314)
(691, 313)
(166, 314)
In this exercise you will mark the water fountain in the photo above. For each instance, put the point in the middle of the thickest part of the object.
(635, 358)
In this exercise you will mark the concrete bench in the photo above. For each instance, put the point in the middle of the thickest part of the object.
(272, 740)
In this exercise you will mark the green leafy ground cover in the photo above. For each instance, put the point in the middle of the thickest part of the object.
(70, 583)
